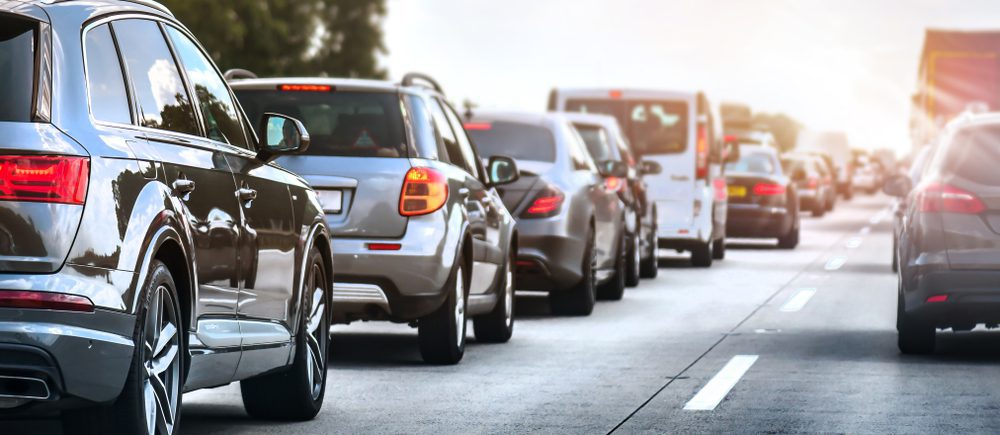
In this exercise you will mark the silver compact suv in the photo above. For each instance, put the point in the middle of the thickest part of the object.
(420, 234)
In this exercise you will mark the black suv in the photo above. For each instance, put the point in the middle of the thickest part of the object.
(147, 245)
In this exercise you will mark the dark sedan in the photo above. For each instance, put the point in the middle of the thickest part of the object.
(763, 202)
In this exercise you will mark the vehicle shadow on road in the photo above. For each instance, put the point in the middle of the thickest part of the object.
(351, 350)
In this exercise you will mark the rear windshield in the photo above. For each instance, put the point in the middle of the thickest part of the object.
(974, 154)
(347, 124)
(513, 139)
(754, 162)
(17, 68)
(597, 141)
(652, 127)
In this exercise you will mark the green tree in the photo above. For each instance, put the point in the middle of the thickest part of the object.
(784, 128)
(289, 37)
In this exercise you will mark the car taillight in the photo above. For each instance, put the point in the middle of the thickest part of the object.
(614, 184)
(546, 204)
(812, 183)
(58, 179)
(767, 189)
(44, 301)
(701, 158)
(425, 190)
(942, 198)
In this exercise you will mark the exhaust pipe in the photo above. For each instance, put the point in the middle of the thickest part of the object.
(19, 387)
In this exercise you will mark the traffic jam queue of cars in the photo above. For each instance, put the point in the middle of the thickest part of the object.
(168, 228)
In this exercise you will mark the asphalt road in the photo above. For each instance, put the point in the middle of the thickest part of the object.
(765, 341)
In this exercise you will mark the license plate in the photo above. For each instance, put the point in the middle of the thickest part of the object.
(737, 191)
(331, 200)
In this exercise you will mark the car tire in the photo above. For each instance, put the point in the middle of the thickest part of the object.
(895, 253)
(159, 326)
(701, 255)
(580, 299)
(614, 289)
(497, 326)
(649, 267)
(819, 209)
(915, 337)
(719, 249)
(791, 239)
(296, 394)
(442, 333)
(633, 263)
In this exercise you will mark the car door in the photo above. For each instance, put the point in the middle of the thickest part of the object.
(197, 171)
(607, 204)
(268, 240)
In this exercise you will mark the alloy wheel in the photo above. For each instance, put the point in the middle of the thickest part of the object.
(317, 336)
(160, 358)
(508, 296)
(459, 307)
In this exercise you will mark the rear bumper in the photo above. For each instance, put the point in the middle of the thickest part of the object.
(973, 297)
(549, 258)
(754, 221)
(77, 355)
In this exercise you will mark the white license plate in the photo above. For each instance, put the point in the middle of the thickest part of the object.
(331, 200)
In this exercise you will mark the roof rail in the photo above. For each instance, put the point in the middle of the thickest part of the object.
(408, 80)
(148, 3)
(238, 73)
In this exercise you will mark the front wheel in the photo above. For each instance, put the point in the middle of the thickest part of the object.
(649, 267)
(442, 333)
(296, 394)
(633, 267)
(498, 325)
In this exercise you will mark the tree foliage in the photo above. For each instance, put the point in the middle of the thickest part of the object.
(340, 38)
(784, 128)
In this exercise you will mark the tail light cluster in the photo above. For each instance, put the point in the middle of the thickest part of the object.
(547, 203)
(768, 189)
(44, 300)
(56, 179)
(425, 190)
(701, 158)
(943, 198)
(812, 183)
(614, 184)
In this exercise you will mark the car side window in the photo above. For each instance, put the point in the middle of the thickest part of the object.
(163, 100)
(448, 136)
(464, 144)
(429, 143)
(105, 81)
(220, 116)
(577, 151)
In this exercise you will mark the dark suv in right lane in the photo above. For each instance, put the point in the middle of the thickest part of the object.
(949, 246)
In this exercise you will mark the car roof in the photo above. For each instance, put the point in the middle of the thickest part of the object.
(347, 84)
(544, 119)
(626, 93)
(974, 119)
(99, 7)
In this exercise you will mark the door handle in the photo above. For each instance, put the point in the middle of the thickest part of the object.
(183, 186)
(247, 195)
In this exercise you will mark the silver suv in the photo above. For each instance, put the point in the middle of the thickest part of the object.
(419, 232)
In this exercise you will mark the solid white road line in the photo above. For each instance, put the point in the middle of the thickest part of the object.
(798, 301)
(835, 263)
(716, 389)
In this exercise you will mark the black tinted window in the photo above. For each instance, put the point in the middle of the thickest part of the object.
(512, 139)
(464, 145)
(652, 127)
(105, 82)
(159, 89)
(218, 110)
(17, 68)
(350, 124)
(974, 154)
(429, 144)
(597, 141)
(754, 162)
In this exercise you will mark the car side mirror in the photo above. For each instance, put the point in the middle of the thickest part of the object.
(649, 167)
(897, 185)
(281, 135)
(613, 168)
(502, 170)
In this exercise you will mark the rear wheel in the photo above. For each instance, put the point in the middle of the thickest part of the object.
(719, 249)
(790, 240)
(150, 402)
(614, 289)
(649, 267)
(701, 255)
(296, 394)
(442, 333)
(915, 337)
(579, 300)
(633, 265)
(498, 325)
(819, 209)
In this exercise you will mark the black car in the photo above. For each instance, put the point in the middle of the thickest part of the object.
(148, 247)
(763, 201)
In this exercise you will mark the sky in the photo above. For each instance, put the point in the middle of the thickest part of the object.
(846, 65)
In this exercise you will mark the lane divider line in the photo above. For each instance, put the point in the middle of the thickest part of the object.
(835, 263)
(864, 231)
(798, 301)
(709, 397)
(853, 242)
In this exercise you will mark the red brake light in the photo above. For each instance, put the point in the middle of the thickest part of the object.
(701, 162)
(937, 298)
(614, 184)
(44, 300)
(478, 126)
(384, 246)
(425, 190)
(615, 94)
(305, 88)
(58, 179)
(729, 138)
(813, 183)
(546, 204)
(767, 189)
(942, 198)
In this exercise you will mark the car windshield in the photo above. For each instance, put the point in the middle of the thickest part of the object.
(513, 139)
(597, 141)
(753, 162)
(17, 68)
(349, 124)
(652, 127)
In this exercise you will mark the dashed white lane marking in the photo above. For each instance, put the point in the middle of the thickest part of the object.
(835, 263)
(721, 384)
(853, 242)
(798, 301)
(864, 231)
(878, 218)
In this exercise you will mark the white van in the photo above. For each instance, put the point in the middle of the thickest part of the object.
(681, 132)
